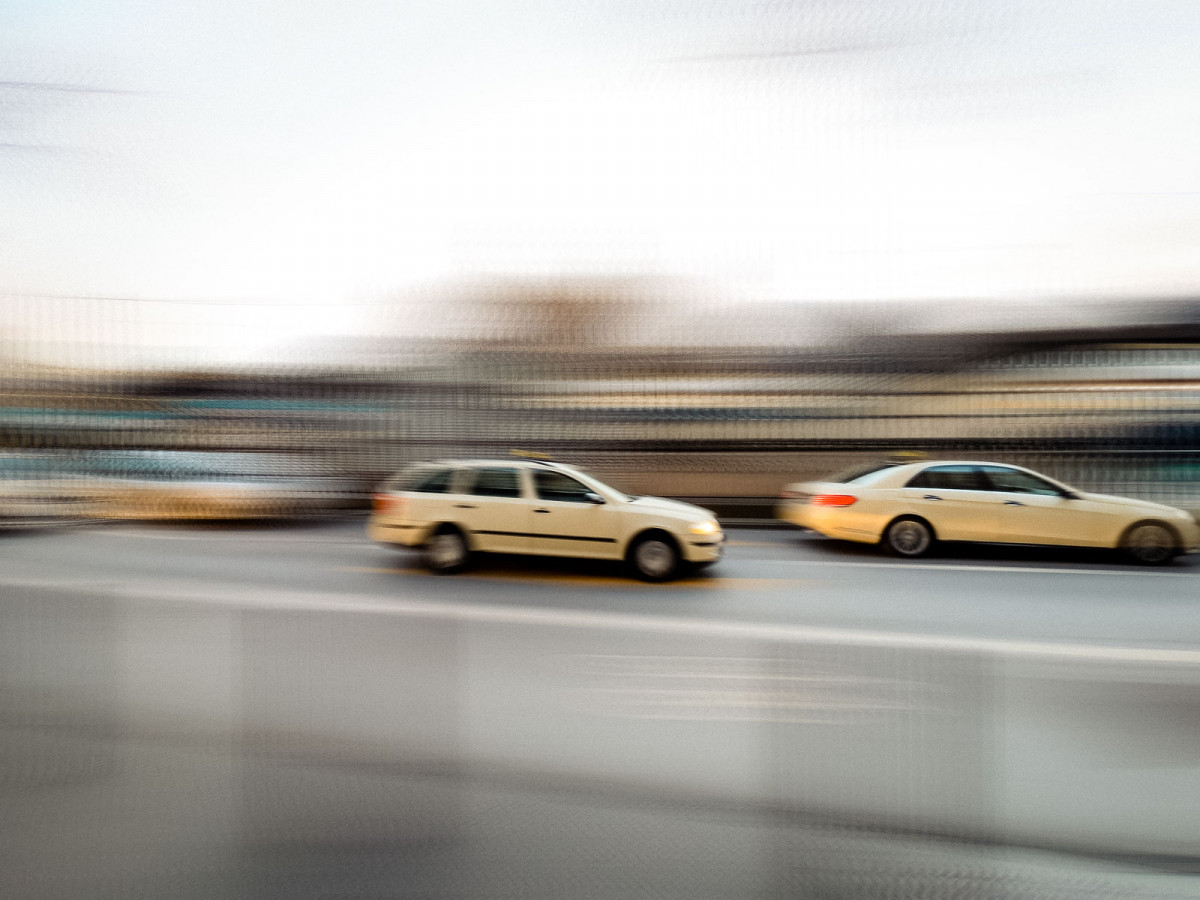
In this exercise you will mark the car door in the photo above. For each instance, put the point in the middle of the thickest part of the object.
(1035, 511)
(566, 520)
(493, 504)
(956, 500)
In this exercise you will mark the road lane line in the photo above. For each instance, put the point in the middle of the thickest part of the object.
(968, 567)
(467, 611)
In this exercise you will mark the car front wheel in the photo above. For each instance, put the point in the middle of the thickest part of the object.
(655, 558)
(1150, 544)
(909, 538)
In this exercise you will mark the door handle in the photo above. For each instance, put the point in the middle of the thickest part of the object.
(464, 505)
(931, 497)
(1013, 503)
(541, 510)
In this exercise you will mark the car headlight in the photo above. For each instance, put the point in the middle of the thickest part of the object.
(707, 527)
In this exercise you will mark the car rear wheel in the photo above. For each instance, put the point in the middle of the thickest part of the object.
(446, 552)
(655, 558)
(909, 538)
(1150, 544)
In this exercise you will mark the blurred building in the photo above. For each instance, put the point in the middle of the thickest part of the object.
(620, 376)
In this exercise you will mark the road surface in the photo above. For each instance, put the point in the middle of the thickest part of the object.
(295, 712)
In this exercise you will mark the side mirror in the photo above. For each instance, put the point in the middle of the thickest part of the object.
(591, 497)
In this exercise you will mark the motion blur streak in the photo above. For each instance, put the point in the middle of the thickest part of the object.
(607, 374)
(257, 258)
(302, 749)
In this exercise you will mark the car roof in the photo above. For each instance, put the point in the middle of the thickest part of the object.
(899, 469)
(960, 462)
(510, 462)
(929, 463)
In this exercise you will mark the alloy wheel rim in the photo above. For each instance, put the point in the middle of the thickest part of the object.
(655, 558)
(909, 538)
(447, 550)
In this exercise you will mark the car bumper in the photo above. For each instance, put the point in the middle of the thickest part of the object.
(794, 512)
(832, 522)
(408, 534)
(1189, 537)
(708, 549)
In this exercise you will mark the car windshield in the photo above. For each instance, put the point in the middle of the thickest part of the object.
(603, 481)
(1019, 482)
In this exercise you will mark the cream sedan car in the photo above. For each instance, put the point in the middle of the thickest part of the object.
(453, 508)
(909, 508)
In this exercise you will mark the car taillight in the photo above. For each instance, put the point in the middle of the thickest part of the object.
(386, 503)
(833, 500)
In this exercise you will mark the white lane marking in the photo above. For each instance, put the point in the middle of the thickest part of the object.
(643, 624)
(969, 567)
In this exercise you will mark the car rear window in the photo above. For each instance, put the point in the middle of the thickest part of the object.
(496, 483)
(422, 480)
(862, 474)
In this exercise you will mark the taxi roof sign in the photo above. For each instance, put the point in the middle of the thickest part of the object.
(908, 456)
(531, 454)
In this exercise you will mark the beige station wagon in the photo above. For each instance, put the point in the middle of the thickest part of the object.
(453, 508)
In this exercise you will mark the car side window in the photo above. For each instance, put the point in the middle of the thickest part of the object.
(949, 478)
(557, 486)
(435, 482)
(1017, 482)
(496, 483)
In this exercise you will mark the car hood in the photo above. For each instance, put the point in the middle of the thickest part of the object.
(1127, 502)
(674, 507)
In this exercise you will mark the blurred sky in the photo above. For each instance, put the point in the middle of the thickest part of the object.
(295, 160)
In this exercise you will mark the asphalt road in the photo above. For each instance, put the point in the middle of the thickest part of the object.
(767, 577)
(295, 712)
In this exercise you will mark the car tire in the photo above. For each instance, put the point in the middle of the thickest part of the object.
(655, 557)
(446, 551)
(909, 538)
(1150, 544)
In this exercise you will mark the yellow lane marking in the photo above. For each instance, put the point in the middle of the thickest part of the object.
(592, 580)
